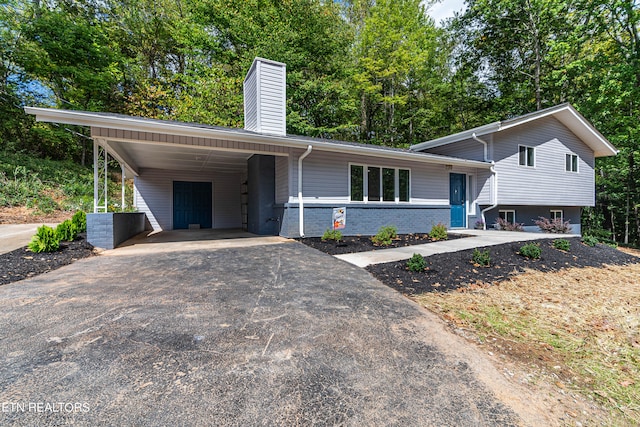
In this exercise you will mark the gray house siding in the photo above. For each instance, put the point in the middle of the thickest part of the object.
(468, 149)
(547, 183)
(154, 196)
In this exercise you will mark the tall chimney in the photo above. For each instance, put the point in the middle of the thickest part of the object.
(265, 96)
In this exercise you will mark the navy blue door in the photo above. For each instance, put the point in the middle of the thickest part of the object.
(457, 199)
(192, 204)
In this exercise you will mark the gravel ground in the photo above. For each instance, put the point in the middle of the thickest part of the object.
(22, 263)
(450, 271)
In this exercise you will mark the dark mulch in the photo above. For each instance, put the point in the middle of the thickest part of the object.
(22, 263)
(450, 271)
(352, 244)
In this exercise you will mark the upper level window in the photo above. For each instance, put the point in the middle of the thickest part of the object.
(379, 184)
(571, 163)
(526, 155)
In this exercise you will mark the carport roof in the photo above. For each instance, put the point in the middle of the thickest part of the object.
(197, 130)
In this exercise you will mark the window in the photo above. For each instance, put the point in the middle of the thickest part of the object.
(571, 163)
(373, 186)
(403, 185)
(556, 214)
(509, 216)
(527, 155)
(357, 183)
(379, 184)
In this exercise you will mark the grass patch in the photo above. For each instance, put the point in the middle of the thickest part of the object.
(585, 320)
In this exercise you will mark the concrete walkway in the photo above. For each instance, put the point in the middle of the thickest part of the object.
(480, 238)
(14, 236)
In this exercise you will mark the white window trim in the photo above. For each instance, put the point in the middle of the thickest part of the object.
(551, 212)
(471, 195)
(365, 184)
(577, 163)
(534, 156)
(506, 211)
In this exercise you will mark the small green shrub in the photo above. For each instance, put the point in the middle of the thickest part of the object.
(562, 244)
(613, 245)
(530, 250)
(438, 232)
(416, 263)
(45, 240)
(481, 258)
(79, 219)
(330, 234)
(590, 240)
(385, 234)
(67, 231)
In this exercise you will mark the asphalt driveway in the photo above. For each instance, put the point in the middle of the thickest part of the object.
(263, 335)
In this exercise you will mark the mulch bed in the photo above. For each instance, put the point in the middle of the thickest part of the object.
(450, 271)
(352, 244)
(22, 263)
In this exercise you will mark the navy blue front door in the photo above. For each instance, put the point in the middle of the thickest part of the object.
(457, 199)
(192, 204)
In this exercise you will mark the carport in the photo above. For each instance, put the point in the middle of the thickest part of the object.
(185, 175)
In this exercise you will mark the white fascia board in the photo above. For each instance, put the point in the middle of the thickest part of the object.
(138, 125)
(460, 136)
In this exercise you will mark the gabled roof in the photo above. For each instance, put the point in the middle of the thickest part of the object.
(140, 124)
(565, 113)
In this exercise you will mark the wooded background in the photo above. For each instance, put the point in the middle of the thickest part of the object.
(375, 71)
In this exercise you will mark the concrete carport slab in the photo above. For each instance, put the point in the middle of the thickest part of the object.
(264, 335)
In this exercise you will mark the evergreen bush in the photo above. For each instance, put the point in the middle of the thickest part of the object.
(530, 250)
(385, 234)
(438, 232)
(416, 263)
(45, 240)
(481, 258)
(330, 234)
(67, 231)
(80, 220)
(562, 244)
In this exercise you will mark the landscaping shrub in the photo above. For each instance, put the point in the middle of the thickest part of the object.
(385, 234)
(505, 225)
(438, 232)
(45, 240)
(556, 226)
(330, 234)
(67, 231)
(481, 258)
(530, 250)
(562, 244)
(79, 219)
(590, 240)
(416, 263)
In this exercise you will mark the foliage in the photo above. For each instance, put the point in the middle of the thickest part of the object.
(79, 219)
(45, 240)
(330, 234)
(385, 234)
(438, 232)
(590, 240)
(479, 224)
(67, 231)
(505, 225)
(556, 226)
(481, 258)
(530, 250)
(416, 263)
(562, 244)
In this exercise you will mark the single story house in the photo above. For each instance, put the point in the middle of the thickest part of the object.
(268, 182)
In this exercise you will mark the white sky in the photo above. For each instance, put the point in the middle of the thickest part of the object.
(445, 8)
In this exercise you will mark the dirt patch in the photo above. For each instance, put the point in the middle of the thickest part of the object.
(450, 271)
(352, 244)
(22, 263)
(24, 215)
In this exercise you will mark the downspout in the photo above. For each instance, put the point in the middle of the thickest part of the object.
(495, 181)
(300, 202)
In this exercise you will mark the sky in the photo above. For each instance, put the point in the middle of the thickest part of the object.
(445, 8)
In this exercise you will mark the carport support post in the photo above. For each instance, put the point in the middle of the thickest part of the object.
(95, 176)
(122, 184)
